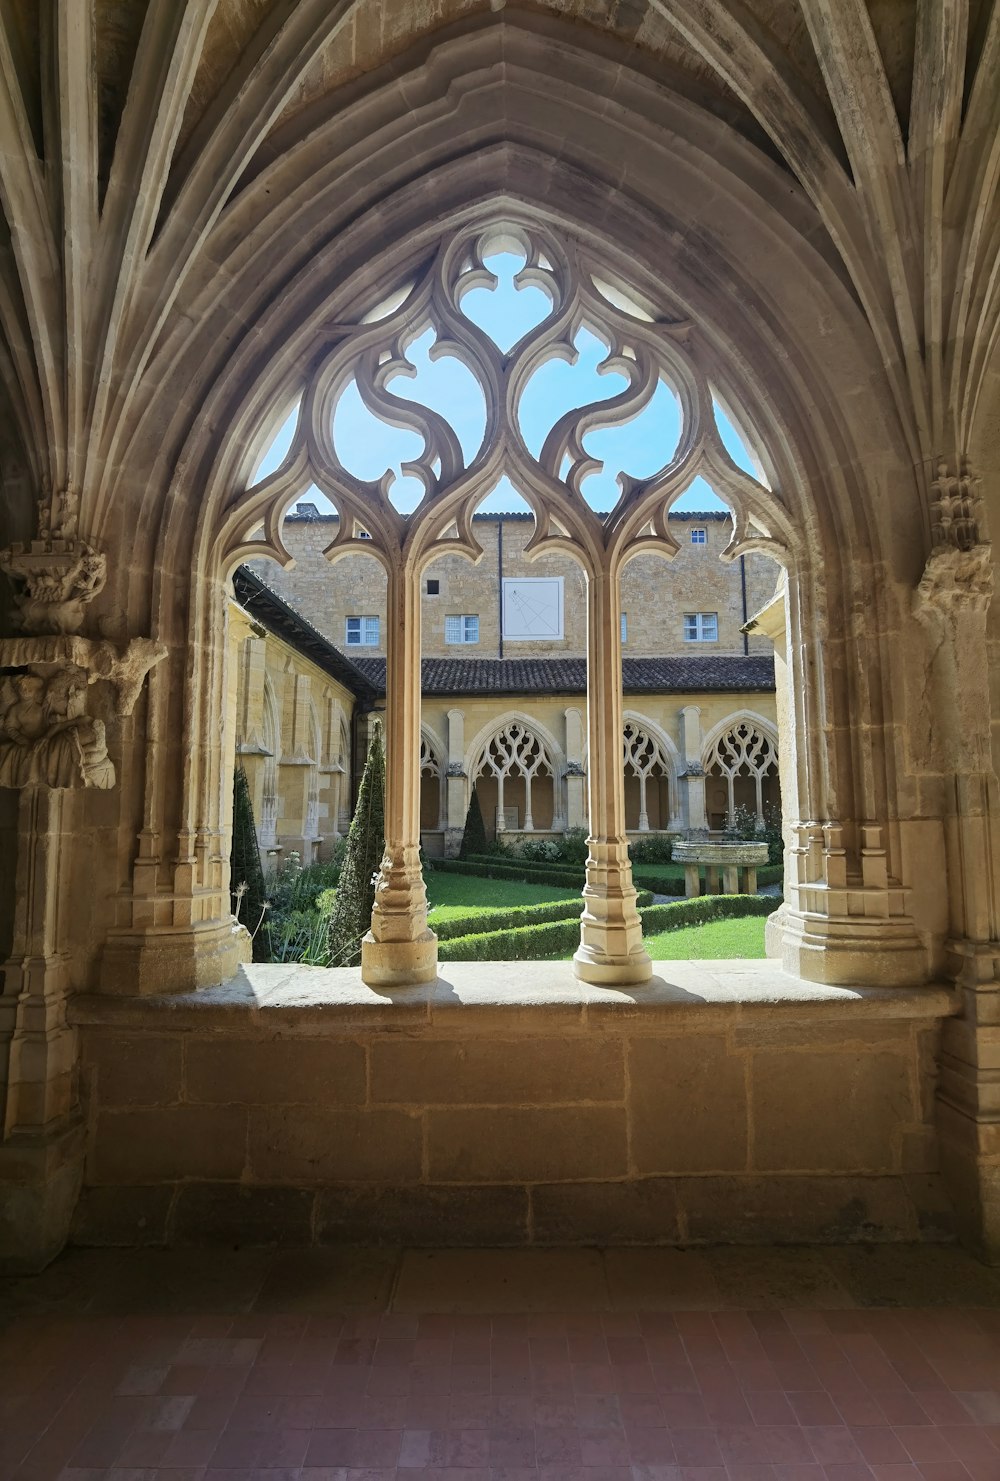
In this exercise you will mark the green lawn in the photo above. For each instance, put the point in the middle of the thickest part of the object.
(642, 872)
(450, 895)
(743, 937)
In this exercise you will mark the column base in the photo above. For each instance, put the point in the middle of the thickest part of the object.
(842, 952)
(396, 963)
(40, 1177)
(970, 1170)
(591, 966)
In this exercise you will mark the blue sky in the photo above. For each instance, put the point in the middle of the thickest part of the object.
(367, 447)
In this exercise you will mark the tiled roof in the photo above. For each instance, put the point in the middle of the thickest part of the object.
(689, 673)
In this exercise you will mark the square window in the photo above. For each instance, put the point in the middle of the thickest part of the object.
(701, 627)
(464, 629)
(433, 587)
(362, 632)
(699, 537)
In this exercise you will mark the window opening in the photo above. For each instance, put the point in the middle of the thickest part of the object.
(362, 632)
(461, 629)
(699, 536)
(701, 627)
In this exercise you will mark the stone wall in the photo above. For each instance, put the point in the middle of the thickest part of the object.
(694, 581)
(292, 723)
(298, 1105)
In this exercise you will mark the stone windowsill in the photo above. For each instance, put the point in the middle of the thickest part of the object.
(697, 992)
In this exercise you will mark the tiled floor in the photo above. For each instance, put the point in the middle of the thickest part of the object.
(878, 1364)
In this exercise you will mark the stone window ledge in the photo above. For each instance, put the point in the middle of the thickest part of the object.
(701, 993)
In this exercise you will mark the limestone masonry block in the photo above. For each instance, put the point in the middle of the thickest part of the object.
(303, 1145)
(493, 1072)
(514, 1146)
(275, 1072)
(851, 1106)
(689, 1106)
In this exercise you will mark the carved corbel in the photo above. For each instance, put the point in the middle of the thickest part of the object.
(56, 576)
(958, 577)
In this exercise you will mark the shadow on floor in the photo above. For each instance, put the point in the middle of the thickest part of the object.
(338, 1279)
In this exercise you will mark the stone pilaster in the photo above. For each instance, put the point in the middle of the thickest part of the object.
(41, 1136)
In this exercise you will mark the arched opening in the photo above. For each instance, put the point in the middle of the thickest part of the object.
(741, 769)
(649, 805)
(515, 781)
(431, 795)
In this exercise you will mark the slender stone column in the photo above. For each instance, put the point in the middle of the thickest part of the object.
(576, 816)
(692, 777)
(399, 947)
(611, 948)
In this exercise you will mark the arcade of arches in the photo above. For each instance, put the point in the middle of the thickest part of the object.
(783, 212)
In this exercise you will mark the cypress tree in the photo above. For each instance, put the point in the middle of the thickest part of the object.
(474, 836)
(246, 877)
(352, 908)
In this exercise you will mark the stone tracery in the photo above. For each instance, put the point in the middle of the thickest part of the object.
(516, 750)
(744, 750)
(646, 759)
(369, 356)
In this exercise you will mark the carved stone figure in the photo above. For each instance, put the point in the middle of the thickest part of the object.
(46, 736)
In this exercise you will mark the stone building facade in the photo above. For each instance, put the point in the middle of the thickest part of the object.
(656, 595)
(677, 713)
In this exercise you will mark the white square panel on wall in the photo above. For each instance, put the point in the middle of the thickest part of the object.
(533, 608)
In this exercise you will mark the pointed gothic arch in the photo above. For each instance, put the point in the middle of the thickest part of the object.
(649, 758)
(741, 753)
(515, 773)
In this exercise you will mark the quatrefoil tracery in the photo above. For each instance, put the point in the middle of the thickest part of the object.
(372, 354)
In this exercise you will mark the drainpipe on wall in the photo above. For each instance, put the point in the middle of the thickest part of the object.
(743, 588)
(499, 585)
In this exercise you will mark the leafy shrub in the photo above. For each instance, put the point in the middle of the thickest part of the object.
(744, 823)
(653, 848)
(474, 834)
(302, 936)
(352, 907)
(542, 850)
(573, 847)
(246, 877)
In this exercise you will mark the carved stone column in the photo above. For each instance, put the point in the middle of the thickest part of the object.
(400, 947)
(611, 948)
(952, 602)
(41, 1135)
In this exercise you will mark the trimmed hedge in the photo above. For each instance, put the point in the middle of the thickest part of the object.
(529, 943)
(483, 921)
(501, 867)
(562, 874)
(526, 873)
